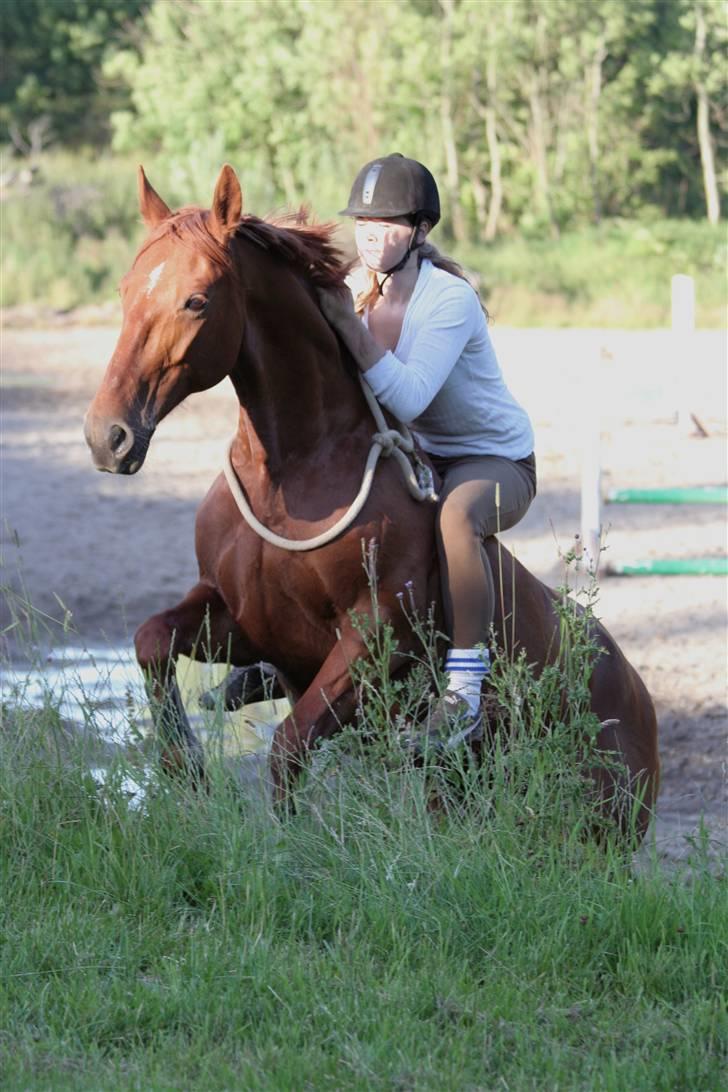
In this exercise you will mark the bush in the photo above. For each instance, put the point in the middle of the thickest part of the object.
(69, 239)
(615, 275)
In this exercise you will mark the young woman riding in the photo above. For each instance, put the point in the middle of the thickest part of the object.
(420, 337)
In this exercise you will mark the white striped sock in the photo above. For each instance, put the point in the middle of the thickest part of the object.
(466, 668)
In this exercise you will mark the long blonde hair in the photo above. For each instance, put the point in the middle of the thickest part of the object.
(370, 293)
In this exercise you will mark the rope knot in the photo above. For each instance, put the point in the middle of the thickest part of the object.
(388, 441)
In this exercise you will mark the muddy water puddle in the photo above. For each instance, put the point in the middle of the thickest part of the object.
(99, 691)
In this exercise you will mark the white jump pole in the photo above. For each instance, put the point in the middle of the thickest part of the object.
(591, 477)
(683, 326)
(591, 517)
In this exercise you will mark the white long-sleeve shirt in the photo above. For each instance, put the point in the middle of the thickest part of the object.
(443, 377)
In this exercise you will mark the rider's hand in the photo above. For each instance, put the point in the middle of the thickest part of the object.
(337, 306)
(338, 309)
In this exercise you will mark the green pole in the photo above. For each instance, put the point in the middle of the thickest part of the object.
(706, 494)
(696, 566)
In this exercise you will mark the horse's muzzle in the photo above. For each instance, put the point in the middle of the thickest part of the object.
(116, 447)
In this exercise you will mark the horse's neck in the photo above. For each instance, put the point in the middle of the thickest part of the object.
(294, 389)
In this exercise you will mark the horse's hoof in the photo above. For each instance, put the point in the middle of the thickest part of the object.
(243, 686)
(229, 694)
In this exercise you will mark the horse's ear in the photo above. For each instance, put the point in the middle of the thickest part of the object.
(153, 208)
(227, 204)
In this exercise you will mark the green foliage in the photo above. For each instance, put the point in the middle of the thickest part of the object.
(69, 239)
(72, 236)
(545, 732)
(616, 274)
(591, 104)
(532, 113)
(52, 52)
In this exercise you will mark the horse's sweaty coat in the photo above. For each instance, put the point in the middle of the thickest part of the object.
(214, 294)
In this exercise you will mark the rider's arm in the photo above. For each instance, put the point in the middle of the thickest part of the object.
(407, 389)
(355, 335)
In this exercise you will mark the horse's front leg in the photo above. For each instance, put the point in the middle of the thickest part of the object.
(200, 627)
(328, 702)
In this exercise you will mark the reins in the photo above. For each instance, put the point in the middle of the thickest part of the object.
(385, 442)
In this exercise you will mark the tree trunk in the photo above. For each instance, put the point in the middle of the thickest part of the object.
(452, 168)
(538, 133)
(542, 193)
(592, 128)
(705, 141)
(480, 200)
(494, 152)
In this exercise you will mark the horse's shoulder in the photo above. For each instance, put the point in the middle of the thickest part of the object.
(213, 519)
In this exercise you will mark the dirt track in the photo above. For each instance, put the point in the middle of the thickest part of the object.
(114, 550)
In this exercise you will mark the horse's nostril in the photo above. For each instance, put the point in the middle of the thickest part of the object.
(117, 436)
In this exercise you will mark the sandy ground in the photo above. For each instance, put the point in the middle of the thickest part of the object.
(114, 550)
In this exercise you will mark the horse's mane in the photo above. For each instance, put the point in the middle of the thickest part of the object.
(301, 243)
(292, 236)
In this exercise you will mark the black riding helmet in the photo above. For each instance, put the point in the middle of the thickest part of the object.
(394, 186)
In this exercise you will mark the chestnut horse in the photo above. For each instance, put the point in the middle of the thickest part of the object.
(213, 293)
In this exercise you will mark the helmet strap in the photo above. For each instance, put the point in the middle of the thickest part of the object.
(411, 245)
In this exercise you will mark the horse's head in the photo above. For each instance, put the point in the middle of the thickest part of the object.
(182, 323)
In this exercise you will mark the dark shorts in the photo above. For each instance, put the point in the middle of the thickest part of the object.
(496, 492)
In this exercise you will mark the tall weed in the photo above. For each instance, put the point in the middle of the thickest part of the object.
(196, 940)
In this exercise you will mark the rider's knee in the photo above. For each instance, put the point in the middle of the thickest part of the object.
(456, 518)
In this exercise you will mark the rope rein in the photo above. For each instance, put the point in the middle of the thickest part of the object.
(385, 442)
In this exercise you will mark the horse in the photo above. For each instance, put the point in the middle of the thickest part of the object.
(215, 293)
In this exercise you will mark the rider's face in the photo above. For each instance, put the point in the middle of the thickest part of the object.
(382, 243)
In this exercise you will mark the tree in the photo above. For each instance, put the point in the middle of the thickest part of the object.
(540, 113)
(685, 101)
(705, 18)
(53, 51)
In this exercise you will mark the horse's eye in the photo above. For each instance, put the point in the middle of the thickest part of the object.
(196, 303)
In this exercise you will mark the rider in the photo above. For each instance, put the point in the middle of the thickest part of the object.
(420, 337)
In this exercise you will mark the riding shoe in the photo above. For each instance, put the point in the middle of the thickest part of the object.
(450, 723)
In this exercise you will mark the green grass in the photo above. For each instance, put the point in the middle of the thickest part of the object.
(359, 945)
(197, 941)
(615, 275)
(70, 238)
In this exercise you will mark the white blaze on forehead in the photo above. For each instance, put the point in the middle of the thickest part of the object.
(154, 277)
